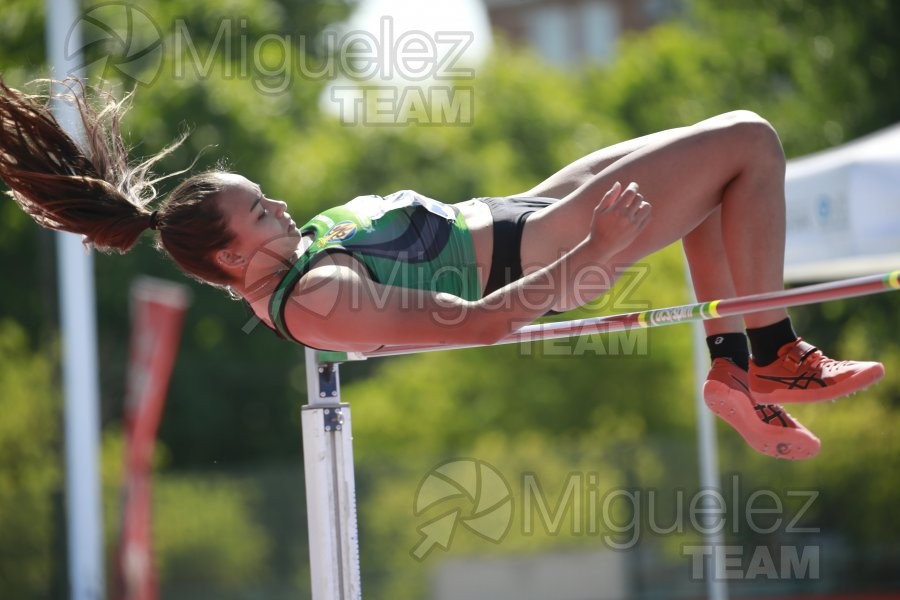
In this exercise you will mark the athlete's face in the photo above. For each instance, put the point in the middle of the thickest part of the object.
(264, 234)
(255, 220)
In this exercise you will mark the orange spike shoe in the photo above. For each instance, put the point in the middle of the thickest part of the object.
(767, 428)
(801, 373)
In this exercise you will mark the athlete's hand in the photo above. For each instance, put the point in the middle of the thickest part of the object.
(619, 217)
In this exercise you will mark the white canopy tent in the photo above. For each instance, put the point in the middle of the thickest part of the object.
(843, 210)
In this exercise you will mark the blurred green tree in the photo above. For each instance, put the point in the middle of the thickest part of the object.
(820, 71)
(30, 474)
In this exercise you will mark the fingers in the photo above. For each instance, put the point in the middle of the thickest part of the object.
(628, 200)
(617, 196)
(630, 195)
(619, 216)
(609, 198)
(642, 215)
(633, 202)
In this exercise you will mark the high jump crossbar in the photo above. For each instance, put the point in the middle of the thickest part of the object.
(713, 309)
(327, 437)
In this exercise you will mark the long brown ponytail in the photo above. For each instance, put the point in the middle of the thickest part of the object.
(92, 189)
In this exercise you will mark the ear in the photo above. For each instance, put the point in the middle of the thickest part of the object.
(230, 259)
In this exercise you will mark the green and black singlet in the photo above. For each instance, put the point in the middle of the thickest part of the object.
(404, 239)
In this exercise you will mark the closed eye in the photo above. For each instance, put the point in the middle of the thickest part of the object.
(264, 211)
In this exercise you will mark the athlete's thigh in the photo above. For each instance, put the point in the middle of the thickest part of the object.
(572, 176)
(682, 173)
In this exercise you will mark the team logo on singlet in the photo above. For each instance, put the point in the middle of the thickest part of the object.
(340, 232)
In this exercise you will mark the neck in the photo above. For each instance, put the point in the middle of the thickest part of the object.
(268, 266)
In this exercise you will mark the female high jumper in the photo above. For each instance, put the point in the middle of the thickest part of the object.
(405, 269)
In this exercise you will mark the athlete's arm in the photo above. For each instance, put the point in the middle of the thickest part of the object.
(338, 307)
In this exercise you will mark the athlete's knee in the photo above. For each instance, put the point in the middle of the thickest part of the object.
(752, 134)
(751, 127)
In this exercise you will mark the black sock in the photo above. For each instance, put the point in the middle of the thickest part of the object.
(766, 341)
(729, 345)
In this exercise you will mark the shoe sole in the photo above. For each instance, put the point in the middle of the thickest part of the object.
(851, 385)
(778, 442)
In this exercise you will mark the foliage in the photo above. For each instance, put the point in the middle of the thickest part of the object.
(207, 530)
(29, 466)
(820, 71)
(203, 534)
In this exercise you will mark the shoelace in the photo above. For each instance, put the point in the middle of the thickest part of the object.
(782, 416)
(811, 358)
(816, 358)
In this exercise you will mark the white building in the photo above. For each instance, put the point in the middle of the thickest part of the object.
(567, 32)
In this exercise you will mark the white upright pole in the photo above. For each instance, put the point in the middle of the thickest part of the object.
(330, 485)
(707, 448)
(80, 386)
(716, 589)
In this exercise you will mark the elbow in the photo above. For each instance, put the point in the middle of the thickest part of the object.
(490, 329)
(489, 338)
(473, 323)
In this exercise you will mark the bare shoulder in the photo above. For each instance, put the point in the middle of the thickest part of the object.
(338, 306)
(321, 309)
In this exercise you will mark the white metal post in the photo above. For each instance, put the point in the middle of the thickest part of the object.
(707, 448)
(78, 321)
(330, 485)
(707, 453)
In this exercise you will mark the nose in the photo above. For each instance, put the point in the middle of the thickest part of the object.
(279, 207)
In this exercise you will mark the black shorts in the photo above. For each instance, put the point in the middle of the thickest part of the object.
(509, 214)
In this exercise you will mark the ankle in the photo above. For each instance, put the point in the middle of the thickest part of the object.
(732, 346)
(765, 342)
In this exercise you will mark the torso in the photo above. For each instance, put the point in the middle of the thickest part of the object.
(478, 221)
